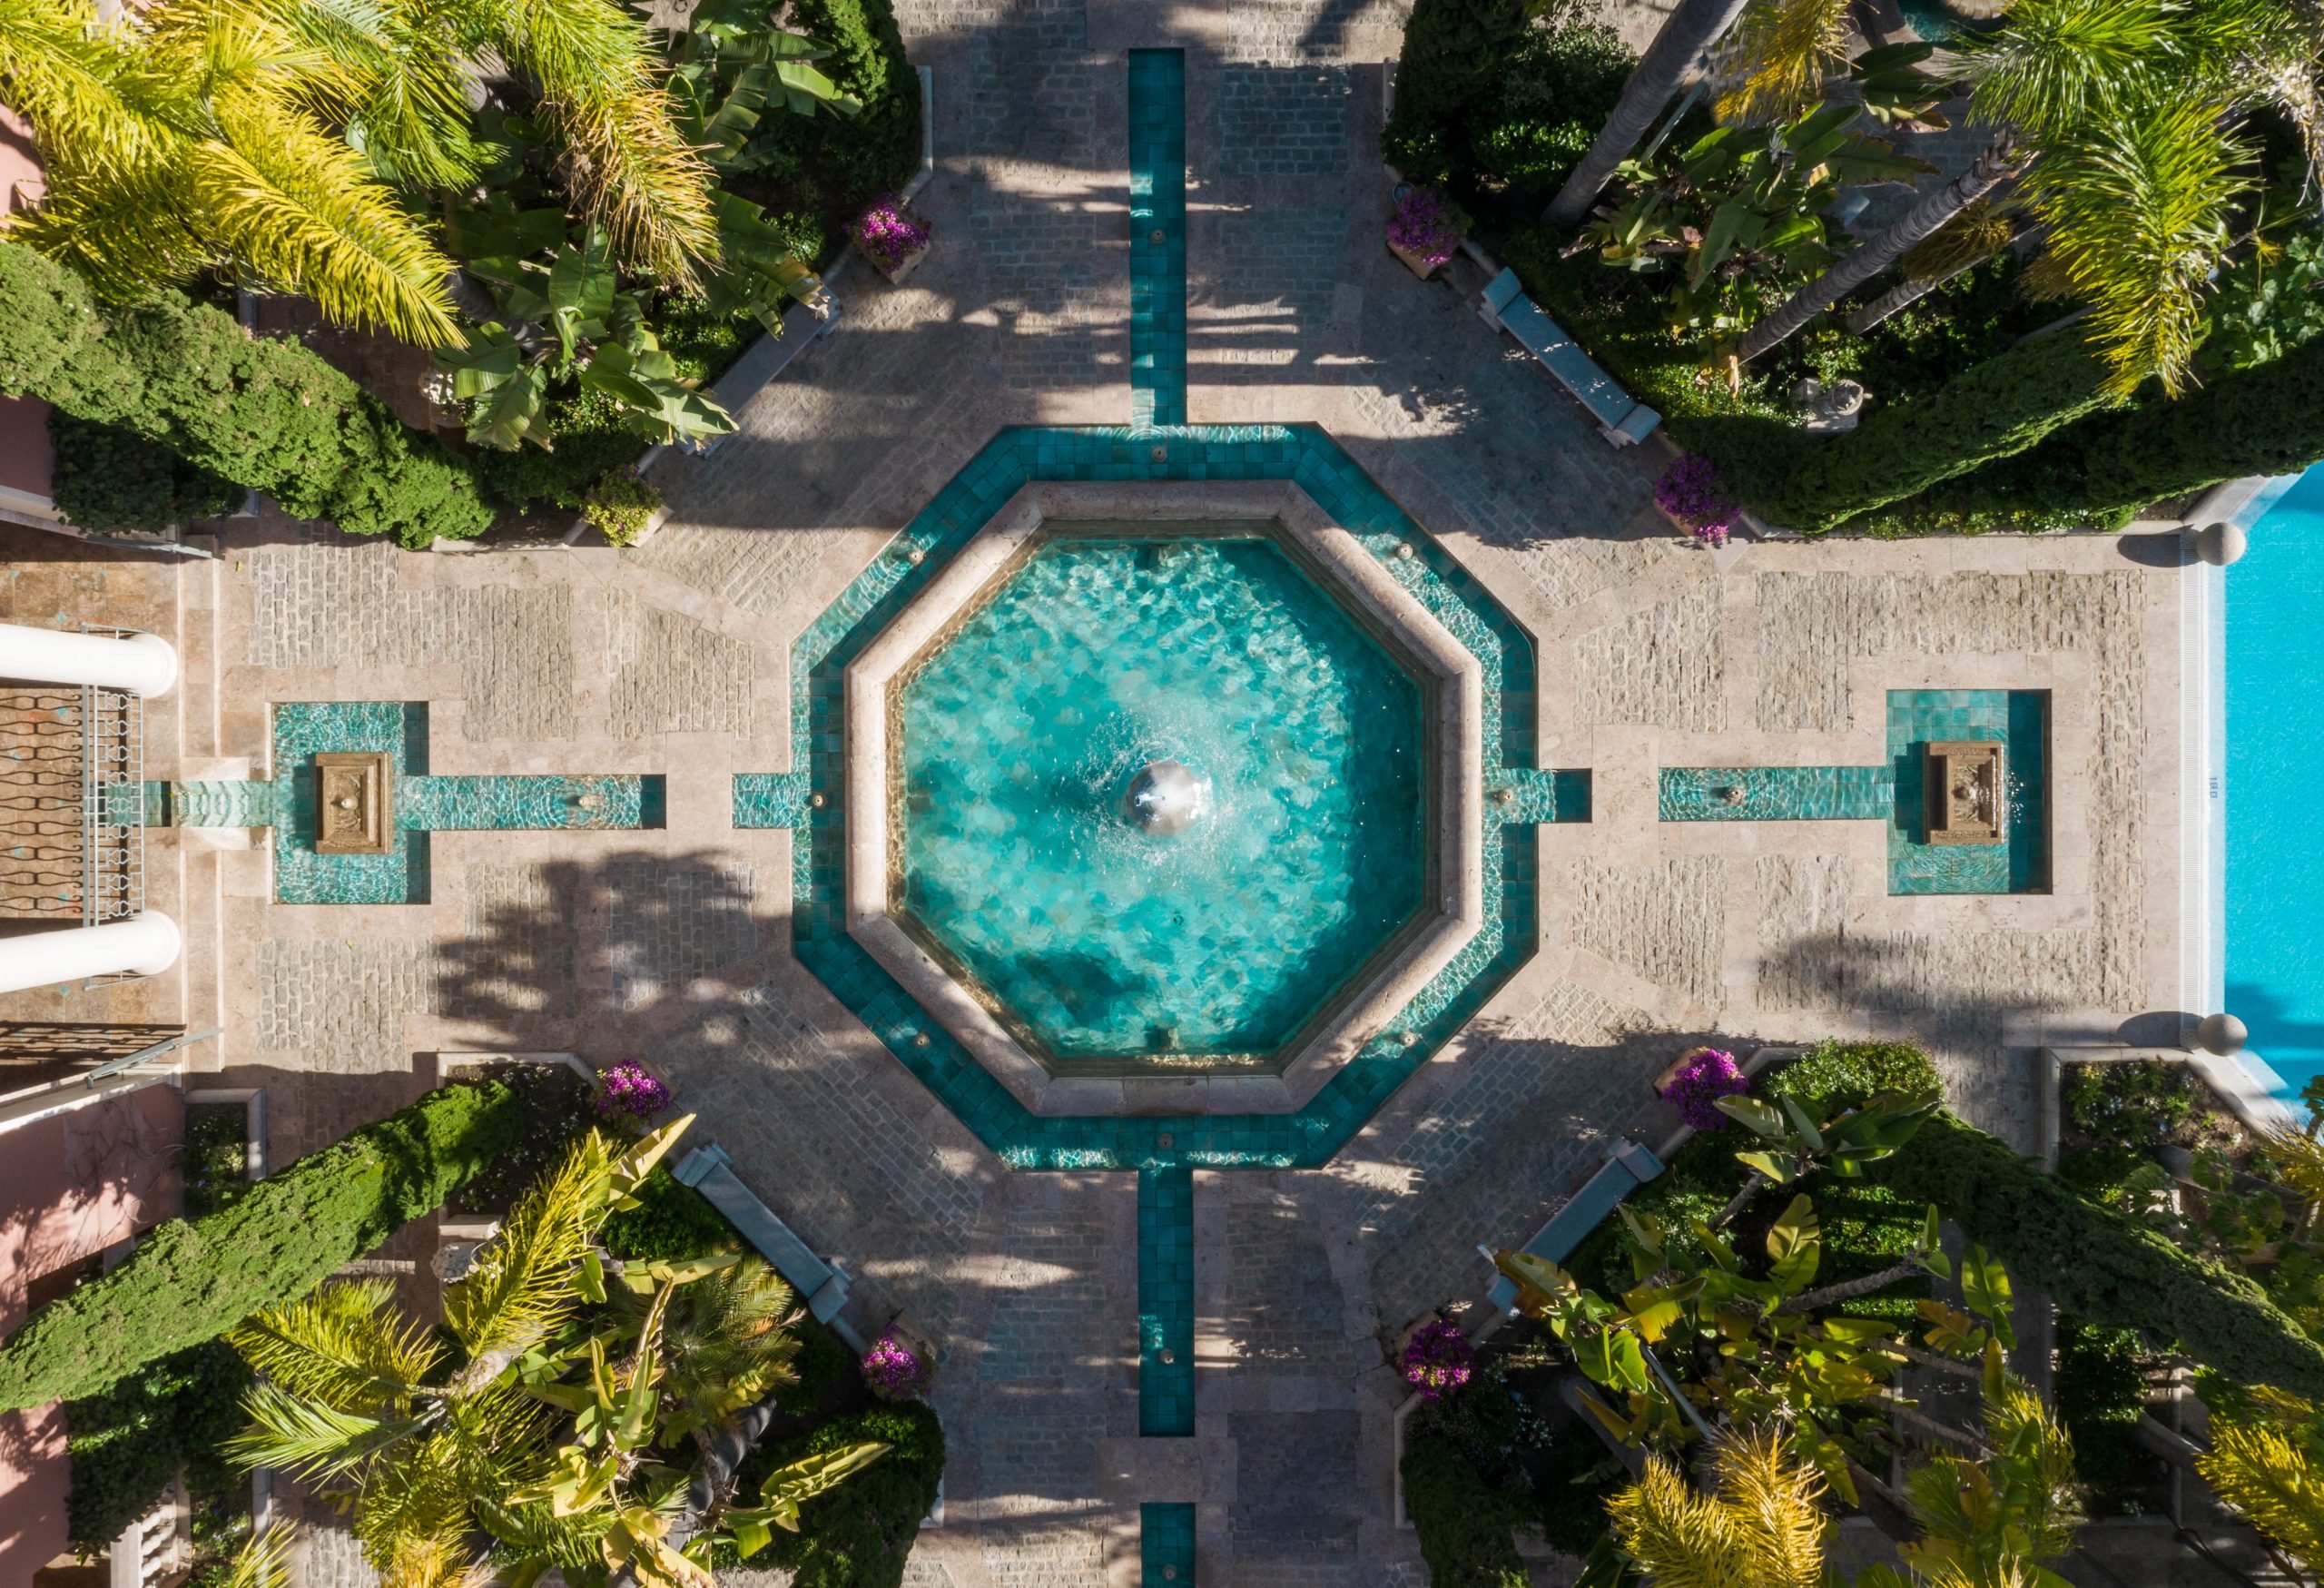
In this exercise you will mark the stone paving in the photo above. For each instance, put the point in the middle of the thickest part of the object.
(675, 945)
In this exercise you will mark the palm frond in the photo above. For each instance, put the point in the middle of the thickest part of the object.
(728, 1343)
(2136, 205)
(76, 83)
(398, 85)
(634, 175)
(1774, 1496)
(265, 1561)
(342, 1346)
(124, 231)
(309, 1440)
(2035, 1458)
(523, 1284)
(1783, 52)
(2268, 1478)
(297, 206)
(2053, 62)
(1979, 231)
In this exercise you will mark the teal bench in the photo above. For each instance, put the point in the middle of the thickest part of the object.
(709, 1170)
(1630, 1165)
(1622, 418)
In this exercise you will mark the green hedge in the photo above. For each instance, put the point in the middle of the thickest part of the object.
(1997, 410)
(264, 414)
(2267, 419)
(1463, 1527)
(111, 481)
(2103, 1268)
(860, 1535)
(127, 1443)
(190, 1282)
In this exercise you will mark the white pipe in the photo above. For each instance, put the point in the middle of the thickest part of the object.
(146, 945)
(141, 663)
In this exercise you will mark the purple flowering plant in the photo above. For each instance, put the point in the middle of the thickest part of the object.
(628, 1090)
(1708, 1075)
(1429, 224)
(887, 235)
(894, 1370)
(1691, 491)
(1438, 1360)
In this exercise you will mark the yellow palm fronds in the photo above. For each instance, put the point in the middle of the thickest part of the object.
(1762, 1528)
(1979, 231)
(344, 1344)
(1784, 50)
(2266, 1475)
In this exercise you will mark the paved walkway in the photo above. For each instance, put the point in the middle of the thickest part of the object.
(674, 659)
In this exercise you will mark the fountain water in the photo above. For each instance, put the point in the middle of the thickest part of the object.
(1166, 797)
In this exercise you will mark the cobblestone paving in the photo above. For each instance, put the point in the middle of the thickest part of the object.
(673, 674)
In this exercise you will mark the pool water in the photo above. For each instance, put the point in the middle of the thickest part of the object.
(1022, 730)
(2275, 846)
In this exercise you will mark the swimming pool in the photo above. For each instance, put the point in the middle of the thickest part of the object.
(2274, 843)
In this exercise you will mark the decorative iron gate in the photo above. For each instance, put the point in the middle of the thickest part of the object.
(72, 802)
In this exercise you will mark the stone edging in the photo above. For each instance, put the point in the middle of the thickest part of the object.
(1358, 576)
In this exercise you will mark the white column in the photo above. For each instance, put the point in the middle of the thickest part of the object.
(146, 945)
(141, 663)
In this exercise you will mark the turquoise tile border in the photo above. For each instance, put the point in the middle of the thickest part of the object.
(1165, 1545)
(1776, 793)
(1560, 795)
(1300, 453)
(2020, 718)
(1166, 1302)
(1158, 237)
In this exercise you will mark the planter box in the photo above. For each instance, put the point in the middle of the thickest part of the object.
(904, 266)
(1416, 262)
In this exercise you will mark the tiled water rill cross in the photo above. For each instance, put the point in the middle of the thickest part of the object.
(419, 804)
(1082, 716)
(1895, 792)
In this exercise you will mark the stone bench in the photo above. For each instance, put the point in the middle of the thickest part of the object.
(1622, 418)
(1629, 1167)
(709, 1170)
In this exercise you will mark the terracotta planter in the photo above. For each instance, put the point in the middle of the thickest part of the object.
(1416, 262)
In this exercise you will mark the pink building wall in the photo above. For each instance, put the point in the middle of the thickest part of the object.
(70, 1187)
(25, 460)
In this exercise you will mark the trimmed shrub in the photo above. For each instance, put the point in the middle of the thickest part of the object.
(1489, 102)
(2001, 407)
(127, 1443)
(2268, 419)
(111, 481)
(189, 1282)
(264, 414)
(814, 174)
(859, 1534)
(1463, 1527)
(2103, 1268)
(670, 1223)
(1847, 1075)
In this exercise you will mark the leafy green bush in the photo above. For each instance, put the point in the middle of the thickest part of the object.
(670, 1223)
(215, 1158)
(1834, 1076)
(553, 1108)
(823, 1365)
(621, 505)
(814, 174)
(1463, 1527)
(2131, 1105)
(859, 1534)
(111, 481)
(126, 1443)
(265, 413)
(2103, 1268)
(2100, 1394)
(590, 441)
(1489, 103)
(189, 1280)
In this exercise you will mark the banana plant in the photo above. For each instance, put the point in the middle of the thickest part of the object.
(759, 271)
(1743, 207)
(1844, 1144)
(729, 64)
(565, 316)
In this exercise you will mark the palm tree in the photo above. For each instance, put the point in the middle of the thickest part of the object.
(271, 135)
(1690, 29)
(2126, 110)
(1976, 235)
(1761, 1526)
(2264, 1472)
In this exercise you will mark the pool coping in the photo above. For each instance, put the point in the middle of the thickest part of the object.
(1355, 577)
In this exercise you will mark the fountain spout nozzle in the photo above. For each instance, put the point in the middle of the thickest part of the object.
(1166, 797)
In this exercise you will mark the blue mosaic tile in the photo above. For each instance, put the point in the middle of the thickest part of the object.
(1165, 1545)
(1776, 794)
(2020, 720)
(1158, 237)
(1165, 1303)
(1302, 453)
